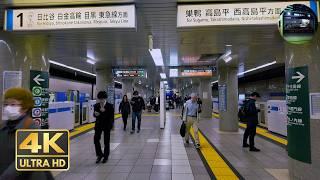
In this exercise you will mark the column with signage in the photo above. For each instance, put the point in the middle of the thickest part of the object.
(302, 74)
(228, 98)
(32, 59)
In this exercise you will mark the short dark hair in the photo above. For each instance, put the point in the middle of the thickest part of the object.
(135, 93)
(102, 95)
(255, 94)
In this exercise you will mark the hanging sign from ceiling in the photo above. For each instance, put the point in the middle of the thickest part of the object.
(129, 73)
(231, 14)
(123, 16)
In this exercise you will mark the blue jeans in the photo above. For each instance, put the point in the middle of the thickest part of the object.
(134, 116)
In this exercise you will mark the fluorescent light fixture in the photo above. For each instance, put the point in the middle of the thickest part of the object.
(91, 61)
(163, 75)
(72, 68)
(214, 82)
(156, 56)
(227, 59)
(256, 68)
(165, 82)
(173, 72)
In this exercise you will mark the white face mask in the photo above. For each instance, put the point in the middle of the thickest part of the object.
(11, 113)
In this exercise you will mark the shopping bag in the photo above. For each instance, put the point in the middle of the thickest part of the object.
(183, 129)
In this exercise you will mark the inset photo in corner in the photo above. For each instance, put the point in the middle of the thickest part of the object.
(298, 24)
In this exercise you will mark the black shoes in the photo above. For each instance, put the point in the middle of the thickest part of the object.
(245, 145)
(132, 131)
(98, 159)
(138, 131)
(124, 129)
(254, 149)
(104, 160)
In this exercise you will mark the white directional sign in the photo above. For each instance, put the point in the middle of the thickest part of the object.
(299, 77)
(37, 79)
(233, 13)
(123, 16)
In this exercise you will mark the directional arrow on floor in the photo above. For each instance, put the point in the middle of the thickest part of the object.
(37, 79)
(300, 77)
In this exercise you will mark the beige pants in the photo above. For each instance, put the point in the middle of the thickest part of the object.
(192, 121)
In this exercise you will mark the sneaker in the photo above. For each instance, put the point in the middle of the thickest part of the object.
(132, 131)
(197, 146)
(254, 149)
(138, 131)
(98, 159)
(245, 145)
(104, 160)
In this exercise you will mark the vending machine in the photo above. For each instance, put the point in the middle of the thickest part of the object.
(277, 116)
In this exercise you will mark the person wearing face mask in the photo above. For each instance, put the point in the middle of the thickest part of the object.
(104, 114)
(17, 107)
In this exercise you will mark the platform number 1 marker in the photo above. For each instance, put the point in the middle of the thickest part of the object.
(21, 19)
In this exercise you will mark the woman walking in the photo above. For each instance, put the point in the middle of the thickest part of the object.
(125, 110)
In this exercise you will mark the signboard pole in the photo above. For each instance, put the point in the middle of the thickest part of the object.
(297, 89)
(39, 86)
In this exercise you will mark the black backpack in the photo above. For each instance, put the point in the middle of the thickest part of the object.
(243, 111)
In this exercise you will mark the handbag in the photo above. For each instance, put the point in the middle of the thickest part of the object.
(183, 129)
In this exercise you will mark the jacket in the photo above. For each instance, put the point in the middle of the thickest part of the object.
(251, 112)
(124, 107)
(7, 152)
(106, 119)
(137, 104)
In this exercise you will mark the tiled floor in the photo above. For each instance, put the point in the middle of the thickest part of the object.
(161, 155)
(152, 154)
(251, 165)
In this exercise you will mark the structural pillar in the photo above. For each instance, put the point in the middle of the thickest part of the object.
(127, 87)
(228, 97)
(103, 79)
(205, 95)
(162, 93)
(303, 135)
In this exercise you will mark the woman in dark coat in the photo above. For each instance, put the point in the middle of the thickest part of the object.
(18, 104)
(125, 110)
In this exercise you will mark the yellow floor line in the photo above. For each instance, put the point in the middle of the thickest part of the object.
(218, 166)
(262, 132)
(86, 127)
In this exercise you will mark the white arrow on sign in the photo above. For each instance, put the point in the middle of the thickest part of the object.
(37, 79)
(300, 77)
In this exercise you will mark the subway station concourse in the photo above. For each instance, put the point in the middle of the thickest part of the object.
(218, 71)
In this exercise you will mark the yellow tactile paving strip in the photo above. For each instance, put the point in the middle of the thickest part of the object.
(263, 132)
(218, 166)
(86, 127)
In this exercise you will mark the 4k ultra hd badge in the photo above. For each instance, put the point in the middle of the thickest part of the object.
(42, 150)
(298, 24)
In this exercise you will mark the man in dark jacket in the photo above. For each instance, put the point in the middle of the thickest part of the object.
(137, 104)
(104, 114)
(251, 115)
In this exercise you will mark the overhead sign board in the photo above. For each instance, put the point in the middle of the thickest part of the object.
(123, 73)
(232, 13)
(123, 16)
(193, 72)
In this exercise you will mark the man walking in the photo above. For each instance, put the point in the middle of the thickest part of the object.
(104, 114)
(137, 104)
(251, 115)
(190, 115)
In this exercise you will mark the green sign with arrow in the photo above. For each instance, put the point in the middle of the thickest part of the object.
(297, 89)
(39, 85)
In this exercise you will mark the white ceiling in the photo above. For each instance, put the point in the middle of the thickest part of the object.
(254, 45)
